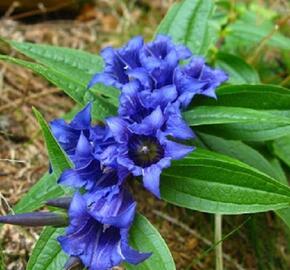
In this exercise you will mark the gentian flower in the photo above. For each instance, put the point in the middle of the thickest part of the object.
(99, 246)
(112, 205)
(68, 135)
(118, 62)
(160, 58)
(144, 149)
(197, 78)
(87, 171)
(135, 106)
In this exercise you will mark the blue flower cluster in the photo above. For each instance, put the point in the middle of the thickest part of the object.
(141, 141)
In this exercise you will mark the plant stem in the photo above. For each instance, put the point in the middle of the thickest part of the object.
(218, 238)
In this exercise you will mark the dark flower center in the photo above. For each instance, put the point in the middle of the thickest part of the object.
(145, 150)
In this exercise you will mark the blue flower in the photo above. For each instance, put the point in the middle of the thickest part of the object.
(136, 105)
(112, 205)
(68, 135)
(144, 149)
(99, 246)
(160, 58)
(197, 78)
(153, 64)
(118, 62)
(87, 170)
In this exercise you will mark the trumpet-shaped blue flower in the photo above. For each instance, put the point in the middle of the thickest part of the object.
(143, 148)
(99, 246)
(112, 205)
(68, 135)
(118, 62)
(197, 78)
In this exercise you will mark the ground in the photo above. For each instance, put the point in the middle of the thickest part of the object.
(23, 158)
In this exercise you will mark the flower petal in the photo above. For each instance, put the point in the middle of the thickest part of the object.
(83, 119)
(118, 127)
(149, 124)
(159, 97)
(177, 150)
(130, 255)
(151, 179)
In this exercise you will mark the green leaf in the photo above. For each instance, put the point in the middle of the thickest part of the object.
(101, 107)
(239, 123)
(188, 23)
(238, 70)
(208, 115)
(47, 187)
(281, 148)
(213, 183)
(240, 151)
(144, 237)
(71, 85)
(58, 158)
(71, 62)
(252, 157)
(242, 32)
(44, 189)
(259, 97)
(47, 254)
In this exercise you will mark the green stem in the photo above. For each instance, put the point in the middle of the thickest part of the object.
(218, 238)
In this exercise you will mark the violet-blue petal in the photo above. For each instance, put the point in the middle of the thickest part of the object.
(130, 102)
(143, 77)
(118, 127)
(159, 97)
(65, 135)
(86, 176)
(149, 124)
(183, 52)
(151, 179)
(177, 150)
(83, 152)
(83, 119)
(113, 206)
(131, 256)
(99, 246)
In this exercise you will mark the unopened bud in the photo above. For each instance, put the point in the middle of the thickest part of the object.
(36, 219)
(63, 202)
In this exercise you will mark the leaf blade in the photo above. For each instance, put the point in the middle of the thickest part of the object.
(47, 254)
(144, 237)
(213, 183)
(188, 24)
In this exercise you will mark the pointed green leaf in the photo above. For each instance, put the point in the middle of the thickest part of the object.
(281, 148)
(44, 189)
(240, 151)
(239, 123)
(58, 158)
(71, 85)
(252, 157)
(188, 23)
(72, 62)
(259, 97)
(47, 254)
(144, 237)
(242, 32)
(238, 70)
(213, 183)
(209, 115)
